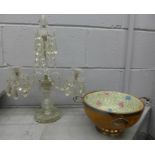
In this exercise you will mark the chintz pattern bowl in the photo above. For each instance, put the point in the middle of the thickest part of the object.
(112, 112)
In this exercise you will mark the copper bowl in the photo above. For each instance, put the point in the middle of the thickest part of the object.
(112, 112)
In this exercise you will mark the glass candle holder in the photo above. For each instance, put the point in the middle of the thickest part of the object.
(18, 83)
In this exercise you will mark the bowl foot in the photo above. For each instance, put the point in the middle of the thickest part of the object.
(110, 132)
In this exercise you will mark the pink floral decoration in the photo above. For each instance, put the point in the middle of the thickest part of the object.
(121, 104)
(98, 103)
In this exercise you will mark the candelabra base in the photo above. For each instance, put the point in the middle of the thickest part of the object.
(49, 116)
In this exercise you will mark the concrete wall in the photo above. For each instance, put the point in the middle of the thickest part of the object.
(114, 50)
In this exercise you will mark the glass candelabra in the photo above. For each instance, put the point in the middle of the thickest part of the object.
(45, 53)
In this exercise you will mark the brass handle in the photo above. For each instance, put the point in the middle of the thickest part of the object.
(77, 99)
(145, 100)
(120, 122)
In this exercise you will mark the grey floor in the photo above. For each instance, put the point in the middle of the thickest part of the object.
(18, 123)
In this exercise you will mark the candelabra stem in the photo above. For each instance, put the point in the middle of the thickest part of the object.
(48, 112)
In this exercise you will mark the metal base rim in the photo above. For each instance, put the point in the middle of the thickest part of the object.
(110, 132)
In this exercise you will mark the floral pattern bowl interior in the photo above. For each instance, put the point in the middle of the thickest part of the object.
(113, 102)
